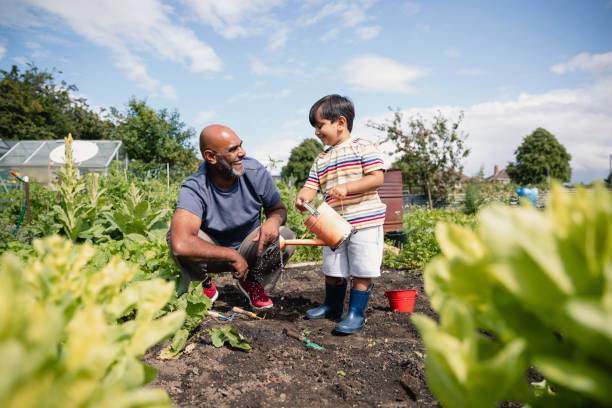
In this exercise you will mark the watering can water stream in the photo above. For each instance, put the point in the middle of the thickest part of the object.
(326, 224)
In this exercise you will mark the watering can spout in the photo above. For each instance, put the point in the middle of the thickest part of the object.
(312, 242)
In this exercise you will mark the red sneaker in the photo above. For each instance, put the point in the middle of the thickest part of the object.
(209, 290)
(255, 293)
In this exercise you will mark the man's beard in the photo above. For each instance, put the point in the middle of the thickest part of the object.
(226, 169)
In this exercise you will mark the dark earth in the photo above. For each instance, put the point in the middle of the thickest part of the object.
(381, 366)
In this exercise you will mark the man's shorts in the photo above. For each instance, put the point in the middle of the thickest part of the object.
(360, 256)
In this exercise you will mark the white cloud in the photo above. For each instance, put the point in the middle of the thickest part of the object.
(260, 68)
(473, 72)
(203, 117)
(349, 13)
(280, 146)
(596, 63)
(136, 25)
(367, 33)
(168, 92)
(411, 8)
(137, 72)
(2, 51)
(251, 96)
(580, 119)
(243, 18)
(232, 18)
(330, 35)
(279, 38)
(380, 74)
(131, 27)
(37, 50)
(17, 13)
(21, 60)
(452, 53)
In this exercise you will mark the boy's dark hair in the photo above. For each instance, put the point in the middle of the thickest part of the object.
(332, 107)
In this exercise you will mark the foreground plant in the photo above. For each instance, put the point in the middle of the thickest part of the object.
(525, 289)
(73, 335)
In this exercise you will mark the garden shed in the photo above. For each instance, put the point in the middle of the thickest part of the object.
(41, 159)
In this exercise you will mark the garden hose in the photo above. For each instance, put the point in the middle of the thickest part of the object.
(25, 204)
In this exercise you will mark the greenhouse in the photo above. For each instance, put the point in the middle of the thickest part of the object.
(41, 159)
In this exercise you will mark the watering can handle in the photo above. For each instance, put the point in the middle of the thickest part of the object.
(310, 209)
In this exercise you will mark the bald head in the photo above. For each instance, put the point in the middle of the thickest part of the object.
(216, 137)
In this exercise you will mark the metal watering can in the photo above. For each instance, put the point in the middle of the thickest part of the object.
(326, 224)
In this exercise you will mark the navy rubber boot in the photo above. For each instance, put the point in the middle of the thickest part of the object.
(333, 306)
(353, 322)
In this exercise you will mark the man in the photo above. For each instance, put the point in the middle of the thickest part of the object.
(216, 226)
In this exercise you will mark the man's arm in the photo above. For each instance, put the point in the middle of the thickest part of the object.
(275, 217)
(185, 243)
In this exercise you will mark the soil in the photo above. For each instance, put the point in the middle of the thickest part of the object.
(381, 366)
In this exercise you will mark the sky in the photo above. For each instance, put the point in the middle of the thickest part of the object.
(257, 66)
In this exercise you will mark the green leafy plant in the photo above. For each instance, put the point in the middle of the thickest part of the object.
(421, 245)
(135, 215)
(525, 289)
(82, 201)
(195, 304)
(229, 334)
(72, 335)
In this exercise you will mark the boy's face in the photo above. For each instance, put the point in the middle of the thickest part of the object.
(327, 132)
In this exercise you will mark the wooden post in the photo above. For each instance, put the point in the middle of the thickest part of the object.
(27, 197)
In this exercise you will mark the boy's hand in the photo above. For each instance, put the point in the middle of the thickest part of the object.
(338, 192)
(304, 195)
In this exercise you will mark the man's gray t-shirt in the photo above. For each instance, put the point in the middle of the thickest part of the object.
(229, 216)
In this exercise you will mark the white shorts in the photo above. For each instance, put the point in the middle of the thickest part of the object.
(360, 256)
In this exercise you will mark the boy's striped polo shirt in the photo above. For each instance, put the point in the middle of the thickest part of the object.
(349, 161)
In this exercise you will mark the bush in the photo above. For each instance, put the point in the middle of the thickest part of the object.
(421, 244)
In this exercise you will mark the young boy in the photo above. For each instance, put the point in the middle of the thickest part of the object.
(348, 172)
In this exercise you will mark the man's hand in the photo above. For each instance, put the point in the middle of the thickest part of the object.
(338, 192)
(241, 267)
(268, 233)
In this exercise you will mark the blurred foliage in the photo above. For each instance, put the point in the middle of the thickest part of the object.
(527, 289)
(65, 340)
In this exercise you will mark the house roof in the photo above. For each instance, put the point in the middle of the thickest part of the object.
(500, 175)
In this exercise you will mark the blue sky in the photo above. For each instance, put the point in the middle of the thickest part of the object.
(258, 65)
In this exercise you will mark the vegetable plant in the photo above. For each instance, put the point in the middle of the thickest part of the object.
(525, 289)
(73, 335)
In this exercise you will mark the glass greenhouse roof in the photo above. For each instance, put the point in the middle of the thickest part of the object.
(35, 153)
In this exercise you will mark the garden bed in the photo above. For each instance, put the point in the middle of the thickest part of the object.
(381, 366)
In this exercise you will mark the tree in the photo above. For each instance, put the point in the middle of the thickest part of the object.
(430, 158)
(300, 161)
(540, 157)
(152, 136)
(33, 106)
